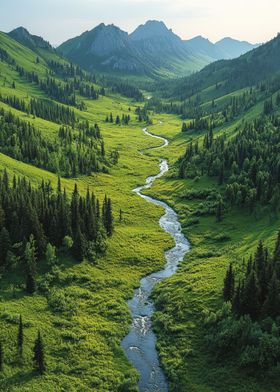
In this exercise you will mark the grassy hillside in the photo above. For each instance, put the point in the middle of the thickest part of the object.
(82, 344)
(183, 300)
(81, 307)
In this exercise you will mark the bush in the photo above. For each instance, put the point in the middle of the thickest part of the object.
(60, 302)
(255, 345)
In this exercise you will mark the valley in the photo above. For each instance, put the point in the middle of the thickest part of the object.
(87, 254)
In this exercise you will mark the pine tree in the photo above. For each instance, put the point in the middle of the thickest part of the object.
(271, 307)
(75, 214)
(260, 267)
(5, 244)
(184, 127)
(229, 284)
(79, 246)
(102, 149)
(31, 267)
(20, 337)
(109, 218)
(39, 357)
(236, 301)
(250, 302)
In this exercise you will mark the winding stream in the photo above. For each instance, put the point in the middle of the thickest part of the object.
(140, 343)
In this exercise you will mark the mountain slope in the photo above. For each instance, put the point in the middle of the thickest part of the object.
(152, 49)
(225, 76)
(31, 41)
(82, 338)
(226, 48)
(104, 48)
(229, 48)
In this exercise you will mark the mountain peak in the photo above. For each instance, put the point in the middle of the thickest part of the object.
(20, 30)
(151, 29)
(22, 35)
(231, 47)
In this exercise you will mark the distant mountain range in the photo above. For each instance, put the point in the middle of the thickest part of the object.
(225, 76)
(151, 50)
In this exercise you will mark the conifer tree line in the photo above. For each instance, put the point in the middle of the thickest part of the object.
(247, 164)
(33, 217)
(45, 109)
(127, 90)
(63, 91)
(143, 115)
(124, 119)
(74, 152)
(247, 327)
(5, 57)
(39, 362)
(215, 113)
(257, 291)
(70, 70)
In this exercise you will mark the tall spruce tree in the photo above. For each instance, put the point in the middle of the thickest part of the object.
(5, 245)
(20, 337)
(39, 355)
(31, 265)
(229, 284)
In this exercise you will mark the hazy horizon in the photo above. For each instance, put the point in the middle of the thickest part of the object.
(60, 20)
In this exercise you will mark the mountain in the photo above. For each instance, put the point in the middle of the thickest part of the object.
(164, 49)
(104, 48)
(226, 48)
(154, 38)
(152, 49)
(33, 42)
(202, 45)
(225, 76)
(230, 48)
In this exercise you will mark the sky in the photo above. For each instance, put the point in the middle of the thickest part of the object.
(57, 20)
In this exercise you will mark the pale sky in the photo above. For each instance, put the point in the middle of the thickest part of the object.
(58, 20)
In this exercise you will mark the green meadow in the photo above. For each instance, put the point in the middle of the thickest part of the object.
(82, 343)
(82, 336)
(184, 299)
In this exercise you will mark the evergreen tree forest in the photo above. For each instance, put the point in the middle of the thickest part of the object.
(246, 164)
(33, 217)
(248, 325)
(74, 82)
(74, 152)
(48, 110)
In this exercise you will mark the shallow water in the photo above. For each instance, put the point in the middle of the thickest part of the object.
(140, 343)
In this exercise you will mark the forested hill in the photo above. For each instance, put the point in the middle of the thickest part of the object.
(58, 208)
(225, 76)
(43, 124)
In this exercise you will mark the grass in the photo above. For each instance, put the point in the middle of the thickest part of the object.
(94, 359)
(182, 299)
(82, 342)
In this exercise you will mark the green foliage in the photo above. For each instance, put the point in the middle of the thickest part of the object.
(247, 163)
(60, 302)
(51, 258)
(70, 155)
(255, 345)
